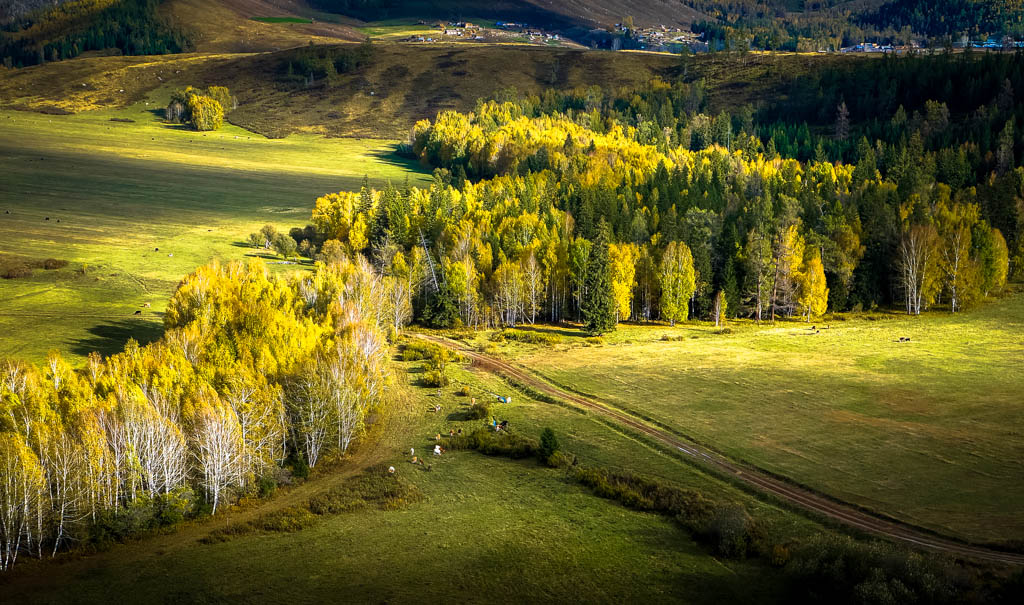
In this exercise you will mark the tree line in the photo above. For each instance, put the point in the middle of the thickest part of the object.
(736, 25)
(255, 372)
(573, 215)
(133, 27)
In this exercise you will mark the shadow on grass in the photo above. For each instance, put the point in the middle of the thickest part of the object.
(110, 337)
(390, 156)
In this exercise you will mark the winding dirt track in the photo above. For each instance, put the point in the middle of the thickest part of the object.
(753, 477)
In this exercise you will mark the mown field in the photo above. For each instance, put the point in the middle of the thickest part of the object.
(928, 431)
(487, 530)
(115, 192)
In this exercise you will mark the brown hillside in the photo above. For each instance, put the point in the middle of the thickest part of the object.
(402, 84)
(226, 25)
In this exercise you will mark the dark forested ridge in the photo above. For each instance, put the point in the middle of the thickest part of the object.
(132, 27)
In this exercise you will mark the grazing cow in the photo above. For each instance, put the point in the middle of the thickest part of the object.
(47, 218)
(156, 249)
(137, 312)
(147, 305)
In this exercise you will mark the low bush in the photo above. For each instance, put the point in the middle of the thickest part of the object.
(15, 270)
(493, 443)
(52, 264)
(463, 391)
(838, 569)
(526, 336)
(173, 507)
(297, 463)
(594, 340)
(561, 460)
(480, 410)
(730, 532)
(672, 338)
(416, 351)
(435, 378)
(267, 486)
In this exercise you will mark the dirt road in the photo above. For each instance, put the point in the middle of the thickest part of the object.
(755, 478)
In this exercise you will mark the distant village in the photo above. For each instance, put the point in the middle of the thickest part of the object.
(659, 38)
(466, 31)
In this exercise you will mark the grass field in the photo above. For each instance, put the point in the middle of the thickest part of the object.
(120, 190)
(488, 530)
(396, 29)
(928, 431)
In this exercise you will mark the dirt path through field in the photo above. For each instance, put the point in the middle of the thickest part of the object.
(757, 479)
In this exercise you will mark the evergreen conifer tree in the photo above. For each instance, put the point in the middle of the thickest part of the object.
(598, 309)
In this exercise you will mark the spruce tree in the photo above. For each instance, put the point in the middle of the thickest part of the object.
(597, 307)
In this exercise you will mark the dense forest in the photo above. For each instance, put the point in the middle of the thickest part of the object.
(640, 204)
(132, 27)
(256, 379)
(830, 25)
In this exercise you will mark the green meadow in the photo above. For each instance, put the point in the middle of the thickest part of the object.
(486, 530)
(135, 204)
(927, 431)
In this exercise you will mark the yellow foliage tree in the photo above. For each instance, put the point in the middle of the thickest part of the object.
(813, 291)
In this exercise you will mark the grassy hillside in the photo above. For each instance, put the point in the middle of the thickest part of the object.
(402, 83)
(115, 191)
(487, 529)
(230, 25)
(926, 431)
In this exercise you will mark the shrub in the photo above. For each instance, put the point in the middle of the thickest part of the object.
(410, 354)
(297, 462)
(435, 378)
(14, 270)
(526, 336)
(730, 532)
(267, 486)
(561, 460)
(463, 391)
(480, 410)
(173, 507)
(689, 507)
(494, 443)
(548, 445)
(594, 340)
(51, 264)
(842, 570)
(206, 112)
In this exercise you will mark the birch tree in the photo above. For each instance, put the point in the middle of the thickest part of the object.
(21, 488)
(218, 450)
(678, 282)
